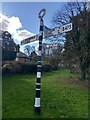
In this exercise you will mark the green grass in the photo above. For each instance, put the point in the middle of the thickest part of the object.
(58, 98)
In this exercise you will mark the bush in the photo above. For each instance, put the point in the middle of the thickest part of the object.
(29, 68)
(6, 69)
(32, 68)
(46, 68)
(16, 68)
(26, 68)
(54, 61)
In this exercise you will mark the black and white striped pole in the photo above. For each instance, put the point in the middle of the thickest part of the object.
(39, 63)
(17, 52)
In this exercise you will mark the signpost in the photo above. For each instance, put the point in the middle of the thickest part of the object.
(39, 64)
(40, 36)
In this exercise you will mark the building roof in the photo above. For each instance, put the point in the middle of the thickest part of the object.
(23, 55)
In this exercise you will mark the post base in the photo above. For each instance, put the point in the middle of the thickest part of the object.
(37, 110)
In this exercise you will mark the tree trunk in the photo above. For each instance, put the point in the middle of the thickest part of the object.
(83, 67)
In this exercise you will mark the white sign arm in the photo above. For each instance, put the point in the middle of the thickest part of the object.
(58, 30)
(31, 39)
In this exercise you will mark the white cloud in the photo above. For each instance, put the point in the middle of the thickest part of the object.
(24, 34)
(13, 25)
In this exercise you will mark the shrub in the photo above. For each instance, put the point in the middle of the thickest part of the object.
(29, 68)
(26, 68)
(16, 68)
(54, 61)
(6, 69)
(32, 68)
(54, 64)
(46, 68)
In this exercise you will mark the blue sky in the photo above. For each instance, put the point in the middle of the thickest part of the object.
(28, 12)
(23, 17)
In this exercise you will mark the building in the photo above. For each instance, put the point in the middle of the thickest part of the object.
(23, 58)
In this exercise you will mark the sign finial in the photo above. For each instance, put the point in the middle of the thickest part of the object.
(42, 13)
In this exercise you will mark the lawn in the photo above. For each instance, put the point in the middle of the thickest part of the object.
(59, 98)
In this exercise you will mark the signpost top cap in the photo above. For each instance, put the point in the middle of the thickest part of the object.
(42, 13)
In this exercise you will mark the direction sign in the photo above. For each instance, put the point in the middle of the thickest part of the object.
(30, 39)
(49, 33)
(58, 30)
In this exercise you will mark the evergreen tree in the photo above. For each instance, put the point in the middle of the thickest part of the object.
(8, 47)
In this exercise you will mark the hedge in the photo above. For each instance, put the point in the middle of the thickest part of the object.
(29, 68)
(26, 68)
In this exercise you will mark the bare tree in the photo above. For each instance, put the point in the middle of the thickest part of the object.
(29, 49)
(78, 38)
